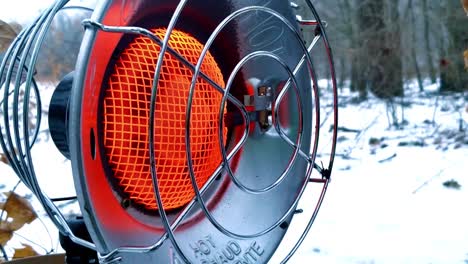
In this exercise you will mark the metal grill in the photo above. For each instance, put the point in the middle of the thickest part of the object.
(125, 121)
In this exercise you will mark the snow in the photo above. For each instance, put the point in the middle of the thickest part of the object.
(372, 213)
(385, 204)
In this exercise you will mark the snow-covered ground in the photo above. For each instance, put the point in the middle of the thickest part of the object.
(387, 202)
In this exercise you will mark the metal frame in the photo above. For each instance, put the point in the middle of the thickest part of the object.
(16, 144)
(24, 51)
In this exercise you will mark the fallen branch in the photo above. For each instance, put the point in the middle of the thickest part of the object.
(345, 129)
(358, 136)
(388, 159)
(345, 156)
(428, 181)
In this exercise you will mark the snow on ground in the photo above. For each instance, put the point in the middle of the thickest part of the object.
(387, 202)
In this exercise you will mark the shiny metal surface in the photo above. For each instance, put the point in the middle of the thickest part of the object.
(243, 211)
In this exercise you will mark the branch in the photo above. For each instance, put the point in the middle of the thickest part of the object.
(428, 181)
(388, 159)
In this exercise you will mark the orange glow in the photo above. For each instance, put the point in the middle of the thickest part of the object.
(126, 119)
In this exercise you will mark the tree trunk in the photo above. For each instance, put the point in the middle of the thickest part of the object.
(427, 43)
(414, 55)
(355, 58)
(347, 29)
(453, 75)
(381, 43)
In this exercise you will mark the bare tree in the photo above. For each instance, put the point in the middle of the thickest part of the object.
(427, 41)
(8, 32)
(410, 12)
(453, 75)
(60, 50)
(379, 25)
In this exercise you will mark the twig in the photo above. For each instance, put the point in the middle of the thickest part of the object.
(436, 105)
(32, 242)
(327, 116)
(345, 156)
(428, 181)
(345, 129)
(388, 159)
(359, 134)
(367, 128)
(436, 130)
(48, 233)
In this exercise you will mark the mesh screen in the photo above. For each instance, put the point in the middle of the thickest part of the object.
(126, 119)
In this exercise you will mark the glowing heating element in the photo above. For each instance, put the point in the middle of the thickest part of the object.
(126, 119)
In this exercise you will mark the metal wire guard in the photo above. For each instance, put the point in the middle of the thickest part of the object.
(20, 60)
(16, 144)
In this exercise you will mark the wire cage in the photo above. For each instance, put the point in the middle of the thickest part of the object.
(232, 120)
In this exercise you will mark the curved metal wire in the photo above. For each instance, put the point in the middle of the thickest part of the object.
(8, 93)
(17, 144)
(278, 100)
(200, 199)
(21, 59)
(233, 152)
(152, 154)
(246, 120)
(327, 174)
(230, 80)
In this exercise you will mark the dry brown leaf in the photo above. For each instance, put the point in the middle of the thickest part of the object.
(16, 27)
(25, 252)
(465, 6)
(3, 158)
(19, 209)
(5, 234)
(7, 35)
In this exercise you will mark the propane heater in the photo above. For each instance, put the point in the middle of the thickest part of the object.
(192, 128)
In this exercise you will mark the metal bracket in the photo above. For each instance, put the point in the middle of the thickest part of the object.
(261, 101)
